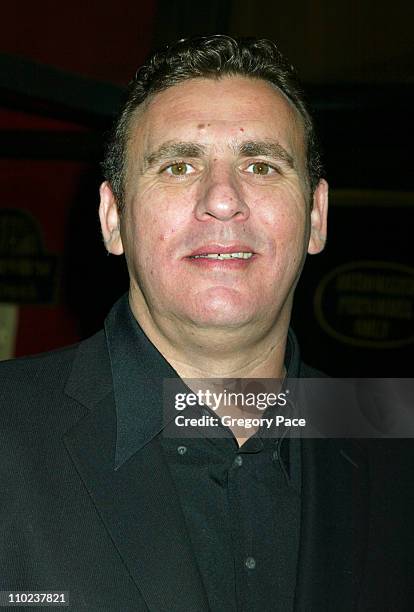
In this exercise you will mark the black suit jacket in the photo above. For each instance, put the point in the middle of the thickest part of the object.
(116, 539)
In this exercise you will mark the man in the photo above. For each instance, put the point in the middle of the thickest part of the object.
(213, 192)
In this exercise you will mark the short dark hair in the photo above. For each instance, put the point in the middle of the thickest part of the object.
(207, 57)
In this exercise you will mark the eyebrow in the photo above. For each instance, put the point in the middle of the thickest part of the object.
(251, 148)
(171, 150)
(266, 148)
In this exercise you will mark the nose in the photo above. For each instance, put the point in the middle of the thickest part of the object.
(221, 197)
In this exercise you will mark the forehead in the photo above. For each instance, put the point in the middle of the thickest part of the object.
(214, 111)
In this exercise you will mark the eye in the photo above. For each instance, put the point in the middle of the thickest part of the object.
(261, 168)
(179, 169)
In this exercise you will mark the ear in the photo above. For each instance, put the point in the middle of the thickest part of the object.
(319, 218)
(110, 221)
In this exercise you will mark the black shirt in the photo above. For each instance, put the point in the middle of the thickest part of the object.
(241, 505)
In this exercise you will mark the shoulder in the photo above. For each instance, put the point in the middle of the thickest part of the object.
(35, 364)
(56, 357)
(42, 377)
(27, 375)
(48, 363)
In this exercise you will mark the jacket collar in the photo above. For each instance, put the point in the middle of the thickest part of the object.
(136, 365)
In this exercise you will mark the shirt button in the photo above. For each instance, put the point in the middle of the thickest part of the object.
(250, 563)
(275, 455)
(238, 461)
(181, 450)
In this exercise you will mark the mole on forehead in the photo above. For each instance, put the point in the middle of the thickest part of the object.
(239, 126)
(201, 126)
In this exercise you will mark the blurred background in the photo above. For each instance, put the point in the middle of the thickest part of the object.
(63, 67)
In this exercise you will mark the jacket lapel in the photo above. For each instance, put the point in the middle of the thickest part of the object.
(334, 525)
(137, 502)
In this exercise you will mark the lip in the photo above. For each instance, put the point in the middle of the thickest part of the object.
(220, 248)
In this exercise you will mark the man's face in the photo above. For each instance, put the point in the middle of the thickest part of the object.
(217, 167)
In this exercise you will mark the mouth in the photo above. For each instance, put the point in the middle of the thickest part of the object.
(224, 256)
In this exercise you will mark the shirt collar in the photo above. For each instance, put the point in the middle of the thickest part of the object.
(138, 374)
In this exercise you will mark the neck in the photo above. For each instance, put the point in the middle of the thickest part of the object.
(255, 351)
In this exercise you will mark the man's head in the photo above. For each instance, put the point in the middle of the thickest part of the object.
(213, 189)
(210, 57)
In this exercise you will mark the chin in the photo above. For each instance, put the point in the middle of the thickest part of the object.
(217, 313)
(220, 322)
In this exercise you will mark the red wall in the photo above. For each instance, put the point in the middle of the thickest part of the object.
(102, 39)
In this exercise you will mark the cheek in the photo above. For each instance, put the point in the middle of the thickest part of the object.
(154, 239)
(164, 232)
(159, 214)
(283, 223)
(152, 230)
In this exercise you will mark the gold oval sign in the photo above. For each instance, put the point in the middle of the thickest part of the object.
(367, 303)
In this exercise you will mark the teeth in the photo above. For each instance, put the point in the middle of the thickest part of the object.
(224, 256)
